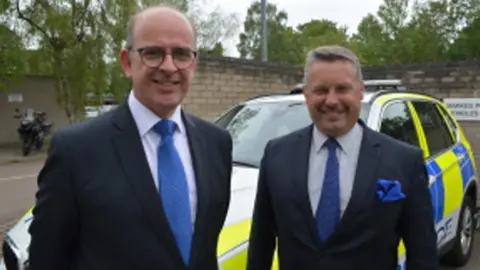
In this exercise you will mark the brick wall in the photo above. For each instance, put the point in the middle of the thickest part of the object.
(221, 82)
(458, 79)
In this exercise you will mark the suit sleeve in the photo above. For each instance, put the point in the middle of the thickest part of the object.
(228, 165)
(54, 226)
(263, 230)
(417, 226)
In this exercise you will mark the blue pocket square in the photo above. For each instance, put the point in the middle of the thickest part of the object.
(389, 190)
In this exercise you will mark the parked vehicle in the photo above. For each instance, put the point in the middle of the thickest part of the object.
(417, 119)
(32, 129)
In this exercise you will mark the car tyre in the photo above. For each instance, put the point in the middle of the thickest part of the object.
(459, 255)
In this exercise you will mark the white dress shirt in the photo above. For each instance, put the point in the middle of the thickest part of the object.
(145, 120)
(347, 155)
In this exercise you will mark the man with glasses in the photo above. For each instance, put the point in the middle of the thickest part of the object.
(146, 186)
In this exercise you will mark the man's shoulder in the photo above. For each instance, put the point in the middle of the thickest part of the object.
(86, 130)
(288, 140)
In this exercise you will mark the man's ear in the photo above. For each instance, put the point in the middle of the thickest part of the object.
(305, 89)
(197, 60)
(362, 89)
(126, 62)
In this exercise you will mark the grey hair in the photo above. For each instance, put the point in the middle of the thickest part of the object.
(330, 54)
(131, 24)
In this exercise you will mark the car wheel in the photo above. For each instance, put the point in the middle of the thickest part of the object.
(463, 242)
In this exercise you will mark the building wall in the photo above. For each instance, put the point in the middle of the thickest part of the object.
(39, 94)
(221, 82)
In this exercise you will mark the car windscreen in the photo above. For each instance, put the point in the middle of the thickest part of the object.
(252, 125)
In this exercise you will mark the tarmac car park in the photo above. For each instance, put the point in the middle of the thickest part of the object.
(388, 107)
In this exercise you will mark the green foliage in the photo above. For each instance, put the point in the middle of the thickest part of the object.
(400, 32)
(280, 38)
(78, 42)
(217, 49)
(11, 56)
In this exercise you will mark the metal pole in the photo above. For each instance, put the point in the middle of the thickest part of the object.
(264, 31)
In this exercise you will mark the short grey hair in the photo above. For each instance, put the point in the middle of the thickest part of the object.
(330, 54)
(132, 19)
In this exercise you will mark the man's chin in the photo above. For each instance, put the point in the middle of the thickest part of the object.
(333, 128)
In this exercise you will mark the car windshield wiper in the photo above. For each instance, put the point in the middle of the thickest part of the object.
(245, 164)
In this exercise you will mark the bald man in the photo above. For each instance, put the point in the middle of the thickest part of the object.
(146, 186)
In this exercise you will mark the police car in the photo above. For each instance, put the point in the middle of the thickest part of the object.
(388, 107)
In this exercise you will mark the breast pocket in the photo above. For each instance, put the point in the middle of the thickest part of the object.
(386, 213)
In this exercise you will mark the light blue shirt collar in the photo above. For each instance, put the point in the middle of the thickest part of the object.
(146, 119)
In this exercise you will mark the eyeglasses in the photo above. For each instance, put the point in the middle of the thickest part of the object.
(154, 56)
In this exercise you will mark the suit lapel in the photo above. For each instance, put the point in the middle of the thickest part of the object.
(128, 146)
(300, 157)
(198, 149)
(365, 179)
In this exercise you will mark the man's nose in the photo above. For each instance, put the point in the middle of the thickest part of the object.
(168, 64)
(331, 97)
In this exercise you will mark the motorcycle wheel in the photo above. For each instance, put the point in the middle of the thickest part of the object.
(26, 147)
(39, 144)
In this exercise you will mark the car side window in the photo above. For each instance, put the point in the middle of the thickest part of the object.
(228, 116)
(449, 121)
(436, 131)
(397, 122)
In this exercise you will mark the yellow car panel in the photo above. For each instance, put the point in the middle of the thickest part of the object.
(451, 184)
(418, 126)
(232, 255)
(233, 235)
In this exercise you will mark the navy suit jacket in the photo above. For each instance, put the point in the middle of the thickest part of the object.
(98, 208)
(368, 234)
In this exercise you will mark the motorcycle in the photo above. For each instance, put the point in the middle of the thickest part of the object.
(32, 130)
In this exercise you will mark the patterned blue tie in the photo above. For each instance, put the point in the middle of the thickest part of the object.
(328, 210)
(173, 188)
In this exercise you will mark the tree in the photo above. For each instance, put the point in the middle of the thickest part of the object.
(217, 49)
(281, 38)
(466, 46)
(429, 31)
(212, 27)
(319, 33)
(370, 41)
(79, 42)
(11, 56)
(69, 32)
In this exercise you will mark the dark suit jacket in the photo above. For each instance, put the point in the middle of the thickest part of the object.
(97, 206)
(369, 231)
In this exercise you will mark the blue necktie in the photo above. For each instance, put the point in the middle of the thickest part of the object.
(328, 210)
(173, 188)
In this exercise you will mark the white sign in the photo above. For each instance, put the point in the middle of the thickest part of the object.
(464, 109)
(15, 98)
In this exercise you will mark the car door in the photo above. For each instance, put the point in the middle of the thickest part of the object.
(396, 120)
(442, 166)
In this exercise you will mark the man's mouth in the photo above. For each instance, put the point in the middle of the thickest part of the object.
(330, 110)
(165, 83)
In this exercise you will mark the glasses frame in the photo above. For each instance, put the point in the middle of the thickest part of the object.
(141, 49)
